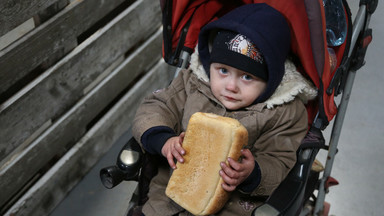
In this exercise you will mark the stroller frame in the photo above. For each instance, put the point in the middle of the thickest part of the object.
(360, 25)
(283, 201)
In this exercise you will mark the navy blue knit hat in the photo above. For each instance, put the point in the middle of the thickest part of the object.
(265, 28)
(236, 50)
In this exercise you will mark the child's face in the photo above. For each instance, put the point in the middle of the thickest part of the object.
(234, 88)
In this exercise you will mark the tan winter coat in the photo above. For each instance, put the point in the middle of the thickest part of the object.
(276, 128)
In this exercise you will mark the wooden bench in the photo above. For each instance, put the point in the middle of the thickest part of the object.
(72, 73)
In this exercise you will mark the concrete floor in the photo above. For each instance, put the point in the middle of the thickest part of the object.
(358, 165)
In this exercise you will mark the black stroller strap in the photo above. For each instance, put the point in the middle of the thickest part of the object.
(313, 139)
(167, 29)
(180, 44)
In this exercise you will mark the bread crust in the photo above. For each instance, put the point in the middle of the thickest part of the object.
(196, 184)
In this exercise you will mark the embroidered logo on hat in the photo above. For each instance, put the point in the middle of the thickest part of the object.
(241, 44)
(236, 50)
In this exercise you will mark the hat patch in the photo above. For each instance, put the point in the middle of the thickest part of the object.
(242, 45)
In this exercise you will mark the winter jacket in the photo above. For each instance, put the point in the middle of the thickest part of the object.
(276, 128)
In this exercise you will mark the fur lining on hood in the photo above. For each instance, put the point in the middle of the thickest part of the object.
(293, 83)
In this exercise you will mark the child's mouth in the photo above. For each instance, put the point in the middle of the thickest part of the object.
(230, 98)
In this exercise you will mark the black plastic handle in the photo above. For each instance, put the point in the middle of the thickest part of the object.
(128, 165)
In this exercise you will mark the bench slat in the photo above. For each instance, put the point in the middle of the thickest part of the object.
(73, 125)
(13, 13)
(53, 93)
(54, 185)
(56, 37)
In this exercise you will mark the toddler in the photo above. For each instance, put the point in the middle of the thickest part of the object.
(239, 70)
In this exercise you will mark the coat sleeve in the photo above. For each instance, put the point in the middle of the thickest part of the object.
(275, 149)
(161, 109)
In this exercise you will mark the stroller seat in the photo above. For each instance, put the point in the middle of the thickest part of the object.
(287, 199)
(295, 195)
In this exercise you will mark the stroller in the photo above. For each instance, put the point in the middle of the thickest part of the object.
(331, 69)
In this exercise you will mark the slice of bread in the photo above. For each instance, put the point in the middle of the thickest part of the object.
(196, 184)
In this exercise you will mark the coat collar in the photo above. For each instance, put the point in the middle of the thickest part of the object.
(292, 85)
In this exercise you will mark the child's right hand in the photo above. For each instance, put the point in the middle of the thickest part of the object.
(173, 149)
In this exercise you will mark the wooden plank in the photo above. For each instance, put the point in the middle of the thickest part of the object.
(13, 13)
(16, 33)
(50, 11)
(73, 125)
(55, 184)
(57, 36)
(49, 96)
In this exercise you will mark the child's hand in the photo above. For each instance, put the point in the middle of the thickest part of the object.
(237, 172)
(172, 149)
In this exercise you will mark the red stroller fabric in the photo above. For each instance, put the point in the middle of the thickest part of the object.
(197, 13)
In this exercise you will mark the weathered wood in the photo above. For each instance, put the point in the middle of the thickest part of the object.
(13, 13)
(16, 33)
(68, 171)
(50, 11)
(57, 36)
(73, 125)
(49, 96)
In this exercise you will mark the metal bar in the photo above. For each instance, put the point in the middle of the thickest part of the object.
(185, 58)
(358, 26)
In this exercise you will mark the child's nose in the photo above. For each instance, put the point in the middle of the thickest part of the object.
(231, 85)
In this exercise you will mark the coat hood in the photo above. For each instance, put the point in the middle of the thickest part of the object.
(262, 25)
(292, 85)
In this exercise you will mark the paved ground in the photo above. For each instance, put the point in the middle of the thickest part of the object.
(358, 165)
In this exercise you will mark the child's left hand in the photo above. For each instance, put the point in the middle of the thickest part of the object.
(237, 172)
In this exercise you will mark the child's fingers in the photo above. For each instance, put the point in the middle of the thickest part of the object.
(178, 152)
(171, 162)
(234, 164)
(229, 171)
(228, 188)
(229, 183)
(182, 135)
(247, 154)
(248, 162)
(178, 156)
(179, 149)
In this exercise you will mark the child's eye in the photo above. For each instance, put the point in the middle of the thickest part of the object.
(223, 71)
(247, 77)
